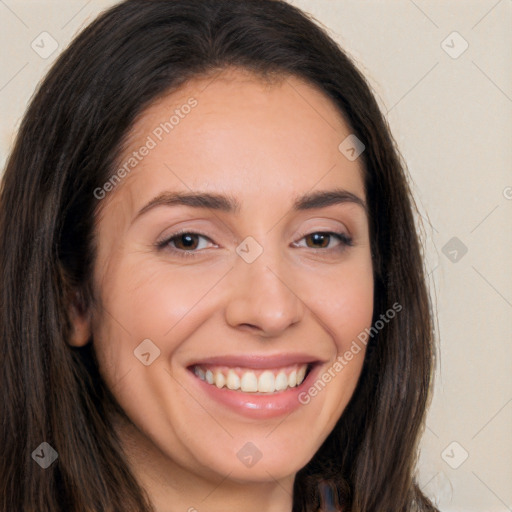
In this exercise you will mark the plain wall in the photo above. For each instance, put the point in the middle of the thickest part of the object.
(449, 108)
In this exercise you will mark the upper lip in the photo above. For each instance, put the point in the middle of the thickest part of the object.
(256, 361)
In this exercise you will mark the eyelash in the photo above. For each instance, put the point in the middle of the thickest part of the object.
(346, 241)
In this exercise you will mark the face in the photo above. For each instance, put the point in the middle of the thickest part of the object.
(233, 271)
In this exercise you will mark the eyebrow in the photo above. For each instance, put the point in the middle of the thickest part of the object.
(229, 204)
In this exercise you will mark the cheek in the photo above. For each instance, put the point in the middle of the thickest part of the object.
(342, 299)
(143, 299)
(351, 307)
(343, 305)
(147, 312)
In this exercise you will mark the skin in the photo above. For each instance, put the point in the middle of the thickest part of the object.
(264, 145)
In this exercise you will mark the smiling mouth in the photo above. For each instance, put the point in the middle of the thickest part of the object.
(251, 380)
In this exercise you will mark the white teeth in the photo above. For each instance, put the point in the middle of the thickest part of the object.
(233, 380)
(249, 382)
(301, 374)
(219, 379)
(266, 382)
(281, 381)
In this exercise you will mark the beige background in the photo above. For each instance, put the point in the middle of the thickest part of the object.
(450, 111)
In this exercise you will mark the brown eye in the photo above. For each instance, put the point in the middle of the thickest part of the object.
(186, 241)
(320, 239)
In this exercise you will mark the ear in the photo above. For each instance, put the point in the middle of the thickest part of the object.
(80, 322)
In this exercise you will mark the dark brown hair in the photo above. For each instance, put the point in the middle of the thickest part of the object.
(67, 146)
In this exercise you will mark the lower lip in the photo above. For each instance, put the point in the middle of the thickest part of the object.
(258, 406)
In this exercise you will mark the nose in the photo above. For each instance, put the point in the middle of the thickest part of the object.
(262, 298)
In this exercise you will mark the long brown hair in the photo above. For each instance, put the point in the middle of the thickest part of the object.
(67, 146)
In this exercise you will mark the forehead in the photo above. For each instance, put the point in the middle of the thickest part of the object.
(235, 132)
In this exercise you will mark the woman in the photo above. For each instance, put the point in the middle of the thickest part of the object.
(255, 369)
